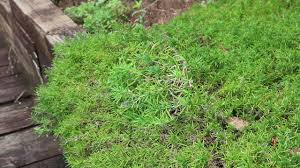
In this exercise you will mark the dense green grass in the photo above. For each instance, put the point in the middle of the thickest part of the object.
(99, 15)
(161, 97)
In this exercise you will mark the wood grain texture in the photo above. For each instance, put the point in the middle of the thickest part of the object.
(25, 147)
(21, 47)
(3, 57)
(5, 9)
(15, 116)
(55, 162)
(3, 43)
(44, 14)
(5, 71)
(11, 87)
(45, 23)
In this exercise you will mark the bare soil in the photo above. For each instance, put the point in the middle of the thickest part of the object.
(161, 11)
(155, 11)
(68, 3)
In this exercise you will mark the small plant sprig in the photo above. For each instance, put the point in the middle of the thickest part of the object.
(98, 15)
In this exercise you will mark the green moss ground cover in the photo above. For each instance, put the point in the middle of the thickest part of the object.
(161, 97)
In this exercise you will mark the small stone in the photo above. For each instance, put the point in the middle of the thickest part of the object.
(238, 123)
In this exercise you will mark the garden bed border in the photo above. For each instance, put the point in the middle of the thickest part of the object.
(32, 28)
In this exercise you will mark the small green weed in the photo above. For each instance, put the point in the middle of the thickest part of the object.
(98, 15)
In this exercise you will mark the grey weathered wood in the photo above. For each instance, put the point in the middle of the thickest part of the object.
(5, 71)
(15, 116)
(5, 9)
(3, 43)
(23, 54)
(21, 104)
(11, 87)
(3, 57)
(25, 147)
(45, 24)
(20, 51)
(55, 162)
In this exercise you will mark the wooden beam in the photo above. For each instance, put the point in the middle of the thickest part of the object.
(45, 23)
(12, 87)
(15, 116)
(25, 147)
(3, 56)
(6, 71)
(55, 162)
(18, 46)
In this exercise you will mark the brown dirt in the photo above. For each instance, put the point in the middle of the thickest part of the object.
(216, 162)
(161, 11)
(154, 11)
(68, 3)
(238, 123)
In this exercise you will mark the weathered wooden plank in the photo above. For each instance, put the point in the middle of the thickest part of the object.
(5, 9)
(41, 18)
(5, 71)
(25, 147)
(3, 43)
(15, 116)
(3, 57)
(23, 39)
(12, 87)
(46, 15)
(23, 103)
(55, 162)
(25, 55)
(21, 52)
(21, 47)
